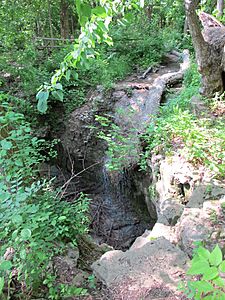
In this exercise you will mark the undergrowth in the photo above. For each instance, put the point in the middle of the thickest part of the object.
(35, 224)
(200, 139)
(206, 275)
(136, 47)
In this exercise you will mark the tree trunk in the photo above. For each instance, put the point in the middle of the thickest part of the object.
(148, 11)
(64, 19)
(208, 49)
(50, 22)
(220, 7)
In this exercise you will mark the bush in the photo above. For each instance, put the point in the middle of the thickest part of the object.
(207, 273)
(34, 223)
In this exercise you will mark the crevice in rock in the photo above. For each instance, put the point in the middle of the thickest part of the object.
(223, 79)
(122, 207)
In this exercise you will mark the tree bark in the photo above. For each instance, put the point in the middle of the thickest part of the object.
(209, 55)
(149, 11)
(64, 19)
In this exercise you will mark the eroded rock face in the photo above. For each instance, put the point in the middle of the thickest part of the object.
(158, 263)
(205, 224)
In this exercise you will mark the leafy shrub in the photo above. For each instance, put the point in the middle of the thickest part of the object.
(207, 275)
(34, 223)
(122, 145)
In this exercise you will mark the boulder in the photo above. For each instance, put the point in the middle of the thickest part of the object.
(205, 224)
(170, 211)
(161, 230)
(139, 272)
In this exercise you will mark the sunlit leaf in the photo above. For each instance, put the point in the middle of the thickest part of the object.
(5, 265)
(25, 234)
(216, 256)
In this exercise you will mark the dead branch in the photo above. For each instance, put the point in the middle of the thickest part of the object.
(63, 189)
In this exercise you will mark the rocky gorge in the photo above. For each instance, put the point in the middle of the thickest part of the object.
(152, 218)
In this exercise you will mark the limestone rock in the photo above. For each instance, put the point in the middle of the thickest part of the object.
(161, 230)
(141, 240)
(197, 198)
(158, 263)
(176, 178)
(206, 224)
(170, 211)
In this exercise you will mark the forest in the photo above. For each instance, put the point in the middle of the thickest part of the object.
(112, 149)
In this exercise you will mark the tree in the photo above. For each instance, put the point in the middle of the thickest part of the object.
(208, 48)
(94, 19)
(64, 19)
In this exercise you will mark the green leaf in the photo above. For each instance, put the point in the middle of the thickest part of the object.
(210, 273)
(6, 145)
(216, 256)
(221, 296)
(198, 267)
(14, 234)
(68, 73)
(219, 282)
(2, 283)
(5, 265)
(78, 4)
(42, 97)
(99, 11)
(23, 254)
(203, 286)
(58, 86)
(222, 266)
(209, 297)
(204, 253)
(85, 10)
(17, 219)
(62, 218)
(25, 234)
(58, 95)
(75, 75)
(21, 196)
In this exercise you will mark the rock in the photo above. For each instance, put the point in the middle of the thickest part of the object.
(141, 240)
(170, 211)
(191, 228)
(207, 191)
(161, 230)
(201, 224)
(137, 272)
(65, 265)
(176, 179)
(197, 198)
(216, 190)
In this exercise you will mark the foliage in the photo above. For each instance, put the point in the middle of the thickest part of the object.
(28, 64)
(201, 140)
(122, 145)
(94, 22)
(206, 271)
(34, 223)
